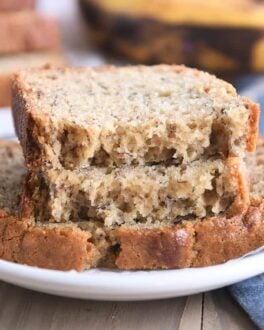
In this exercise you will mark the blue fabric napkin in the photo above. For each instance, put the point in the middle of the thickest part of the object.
(250, 293)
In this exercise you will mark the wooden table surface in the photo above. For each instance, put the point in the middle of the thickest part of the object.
(25, 309)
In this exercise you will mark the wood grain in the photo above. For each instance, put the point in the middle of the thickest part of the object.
(192, 314)
(22, 309)
(229, 313)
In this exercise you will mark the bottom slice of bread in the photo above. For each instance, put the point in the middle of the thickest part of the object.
(63, 248)
(87, 244)
(193, 244)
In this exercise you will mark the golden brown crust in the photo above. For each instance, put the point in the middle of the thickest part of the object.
(223, 239)
(253, 124)
(13, 5)
(241, 202)
(192, 244)
(23, 119)
(11, 233)
(155, 248)
(54, 248)
(27, 31)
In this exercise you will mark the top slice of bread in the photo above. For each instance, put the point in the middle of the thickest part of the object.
(129, 115)
(14, 5)
(26, 31)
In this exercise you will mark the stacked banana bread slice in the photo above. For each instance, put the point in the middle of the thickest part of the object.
(83, 245)
(139, 156)
(23, 241)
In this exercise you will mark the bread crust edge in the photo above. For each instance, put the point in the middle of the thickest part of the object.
(192, 244)
(53, 248)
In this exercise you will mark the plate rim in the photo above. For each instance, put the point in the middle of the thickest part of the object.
(117, 285)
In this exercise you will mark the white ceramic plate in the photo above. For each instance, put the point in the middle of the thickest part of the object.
(138, 285)
(6, 124)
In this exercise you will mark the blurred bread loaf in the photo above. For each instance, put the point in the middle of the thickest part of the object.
(27, 40)
(217, 36)
(27, 31)
(14, 5)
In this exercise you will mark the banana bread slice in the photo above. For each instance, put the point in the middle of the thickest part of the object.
(112, 116)
(138, 194)
(199, 243)
(27, 31)
(89, 244)
(14, 5)
(56, 247)
(9, 64)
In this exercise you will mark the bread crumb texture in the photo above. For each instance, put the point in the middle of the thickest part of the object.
(132, 115)
(140, 194)
(12, 174)
(86, 244)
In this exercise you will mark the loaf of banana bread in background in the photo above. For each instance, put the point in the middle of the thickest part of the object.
(217, 36)
(27, 31)
(9, 64)
(86, 244)
(14, 5)
(27, 39)
(132, 145)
